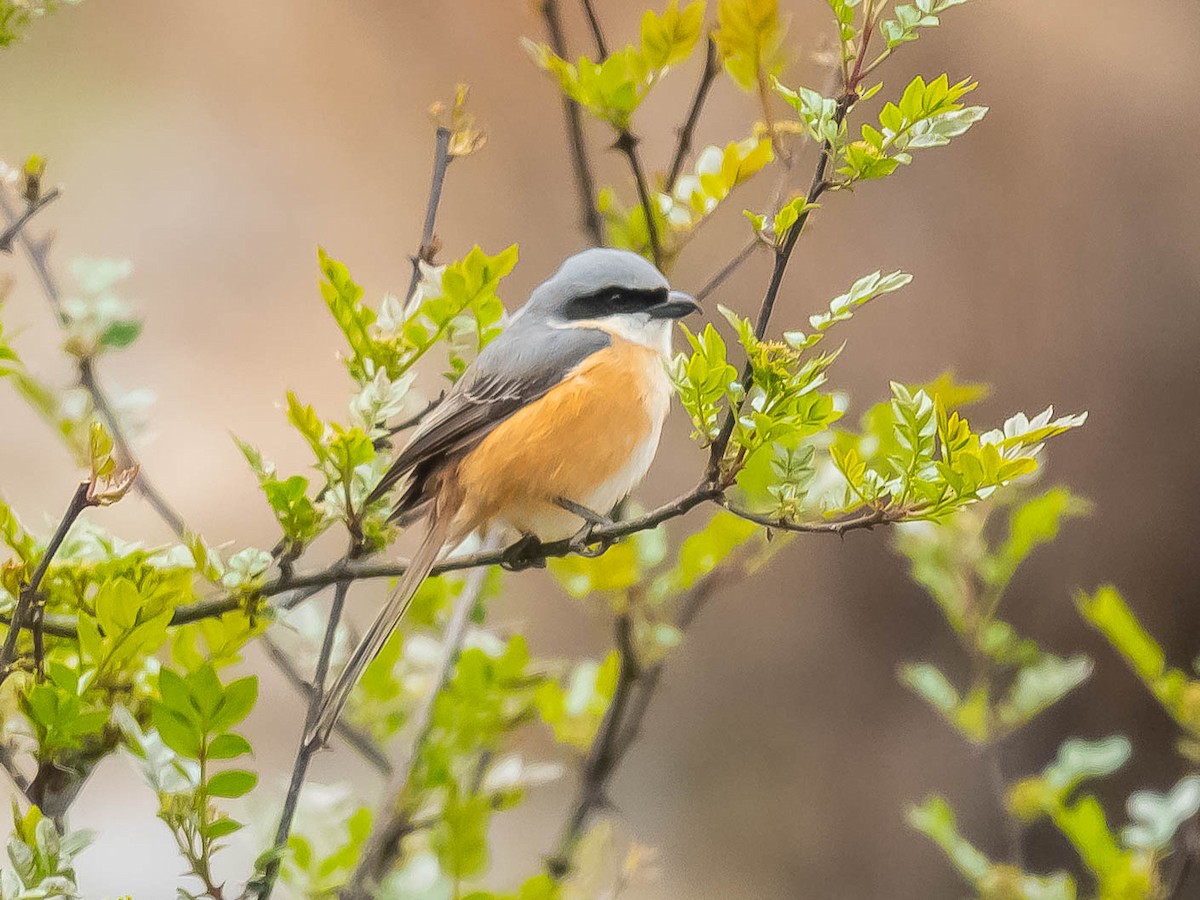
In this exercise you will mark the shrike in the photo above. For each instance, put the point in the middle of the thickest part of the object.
(554, 423)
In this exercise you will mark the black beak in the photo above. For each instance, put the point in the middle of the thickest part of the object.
(677, 306)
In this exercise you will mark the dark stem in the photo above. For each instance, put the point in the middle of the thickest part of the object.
(585, 180)
(712, 66)
(143, 485)
(782, 256)
(1015, 852)
(357, 739)
(382, 846)
(428, 248)
(729, 268)
(605, 754)
(597, 31)
(305, 752)
(31, 210)
(28, 593)
(627, 144)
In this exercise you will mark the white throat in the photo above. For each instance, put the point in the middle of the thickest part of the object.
(637, 328)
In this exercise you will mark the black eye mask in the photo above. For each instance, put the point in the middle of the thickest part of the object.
(611, 301)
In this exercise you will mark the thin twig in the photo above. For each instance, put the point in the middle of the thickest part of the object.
(37, 253)
(125, 454)
(428, 248)
(395, 820)
(585, 179)
(31, 210)
(605, 754)
(712, 67)
(729, 268)
(28, 593)
(782, 256)
(305, 752)
(866, 518)
(359, 740)
(597, 31)
(995, 771)
(627, 143)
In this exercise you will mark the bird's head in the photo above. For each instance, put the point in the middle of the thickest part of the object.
(615, 290)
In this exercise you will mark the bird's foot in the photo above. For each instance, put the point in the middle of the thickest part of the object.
(585, 543)
(526, 553)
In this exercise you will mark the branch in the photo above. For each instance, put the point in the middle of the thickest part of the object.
(428, 248)
(79, 502)
(395, 820)
(356, 738)
(305, 752)
(585, 180)
(605, 754)
(782, 255)
(712, 67)
(31, 210)
(729, 268)
(627, 143)
(867, 518)
(37, 253)
(151, 494)
(597, 32)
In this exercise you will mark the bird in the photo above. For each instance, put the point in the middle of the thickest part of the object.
(553, 424)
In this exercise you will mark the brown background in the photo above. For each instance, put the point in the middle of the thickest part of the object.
(216, 143)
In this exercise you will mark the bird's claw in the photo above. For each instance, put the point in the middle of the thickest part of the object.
(584, 543)
(526, 553)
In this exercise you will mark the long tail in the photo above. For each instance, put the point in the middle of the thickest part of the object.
(334, 699)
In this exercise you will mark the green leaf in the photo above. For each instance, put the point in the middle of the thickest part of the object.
(181, 735)
(222, 827)
(240, 697)
(935, 819)
(749, 36)
(232, 783)
(120, 334)
(228, 746)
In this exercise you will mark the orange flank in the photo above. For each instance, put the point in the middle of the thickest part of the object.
(576, 442)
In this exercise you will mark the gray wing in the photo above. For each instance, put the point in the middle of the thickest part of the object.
(514, 370)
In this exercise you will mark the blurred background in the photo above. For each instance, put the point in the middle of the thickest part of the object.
(1054, 250)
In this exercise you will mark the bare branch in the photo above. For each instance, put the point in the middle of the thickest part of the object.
(395, 819)
(305, 752)
(427, 250)
(31, 210)
(358, 740)
(712, 67)
(37, 253)
(867, 518)
(597, 31)
(627, 143)
(729, 268)
(28, 594)
(585, 179)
